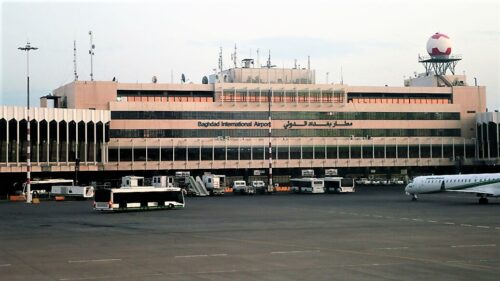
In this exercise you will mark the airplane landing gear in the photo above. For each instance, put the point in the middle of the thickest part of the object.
(414, 197)
(483, 200)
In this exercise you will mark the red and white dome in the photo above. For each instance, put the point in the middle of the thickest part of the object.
(439, 45)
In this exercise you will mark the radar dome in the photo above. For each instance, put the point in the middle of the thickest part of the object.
(439, 45)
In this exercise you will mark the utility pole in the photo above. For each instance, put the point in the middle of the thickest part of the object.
(27, 49)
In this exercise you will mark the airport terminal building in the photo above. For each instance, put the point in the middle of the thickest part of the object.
(432, 122)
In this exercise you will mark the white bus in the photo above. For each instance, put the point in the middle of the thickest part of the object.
(339, 184)
(307, 185)
(135, 197)
(42, 188)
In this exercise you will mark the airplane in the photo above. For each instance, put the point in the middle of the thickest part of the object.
(483, 185)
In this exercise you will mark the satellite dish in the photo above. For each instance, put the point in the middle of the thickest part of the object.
(183, 78)
(204, 80)
(154, 79)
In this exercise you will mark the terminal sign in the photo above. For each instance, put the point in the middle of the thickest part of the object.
(218, 124)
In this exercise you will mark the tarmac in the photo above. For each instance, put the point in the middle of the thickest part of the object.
(377, 233)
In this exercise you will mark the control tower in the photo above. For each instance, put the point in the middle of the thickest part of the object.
(440, 59)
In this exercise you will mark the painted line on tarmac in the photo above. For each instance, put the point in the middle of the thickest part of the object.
(97, 260)
(200, 256)
(482, 226)
(466, 225)
(449, 223)
(432, 221)
(473, 246)
(190, 256)
(88, 278)
(394, 248)
(294, 252)
(5, 265)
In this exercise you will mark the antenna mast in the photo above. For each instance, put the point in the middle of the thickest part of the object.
(91, 53)
(258, 58)
(74, 60)
(234, 56)
(220, 60)
(341, 76)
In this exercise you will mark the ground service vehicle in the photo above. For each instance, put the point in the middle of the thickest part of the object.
(307, 185)
(41, 188)
(259, 186)
(79, 192)
(215, 184)
(339, 185)
(242, 188)
(134, 196)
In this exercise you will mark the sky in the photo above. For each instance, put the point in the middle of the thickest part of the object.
(375, 43)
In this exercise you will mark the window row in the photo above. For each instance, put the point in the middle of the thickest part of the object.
(216, 133)
(293, 152)
(288, 115)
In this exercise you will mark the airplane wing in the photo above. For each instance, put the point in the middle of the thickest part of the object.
(489, 190)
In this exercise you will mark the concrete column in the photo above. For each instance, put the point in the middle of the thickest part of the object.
(104, 150)
(159, 151)
(288, 139)
(38, 142)
(57, 142)
(17, 142)
(314, 149)
(385, 148)
(498, 140)
(86, 144)
(488, 152)
(48, 142)
(76, 141)
(453, 148)
(431, 147)
(67, 143)
(95, 143)
(326, 149)
(7, 150)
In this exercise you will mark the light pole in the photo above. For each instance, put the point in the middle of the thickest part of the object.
(270, 187)
(28, 48)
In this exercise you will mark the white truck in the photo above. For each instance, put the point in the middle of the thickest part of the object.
(259, 186)
(78, 192)
(241, 187)
(215, 184)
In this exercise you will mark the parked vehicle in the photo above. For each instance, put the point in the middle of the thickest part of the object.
(78, 192)
(215, 184)
(133, 195)
(42, 188)
(339, 185)
(240, 186)
(307, 185)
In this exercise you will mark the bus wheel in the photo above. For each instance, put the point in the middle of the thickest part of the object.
(170, 206)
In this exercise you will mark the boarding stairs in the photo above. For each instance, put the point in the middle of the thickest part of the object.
(197, 186)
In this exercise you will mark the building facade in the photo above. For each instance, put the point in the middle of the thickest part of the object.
(430, 123)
